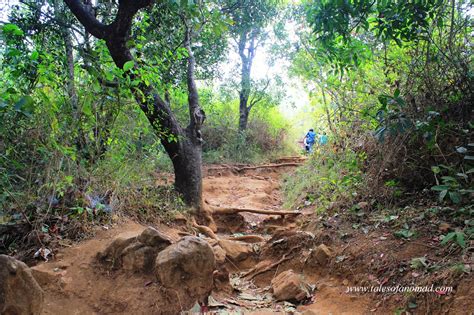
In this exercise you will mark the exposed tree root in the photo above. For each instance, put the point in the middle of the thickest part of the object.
(206, 211)
(240, 169)
(243, 168)
(262, 268)
(216, 210)
(290, 159)
(204, 229)
(247, 238)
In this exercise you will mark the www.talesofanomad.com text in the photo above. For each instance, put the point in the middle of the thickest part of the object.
(401, 289)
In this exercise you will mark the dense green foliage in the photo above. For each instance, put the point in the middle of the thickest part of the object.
(410, 84)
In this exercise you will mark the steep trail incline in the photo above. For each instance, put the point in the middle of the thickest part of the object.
(75, 284)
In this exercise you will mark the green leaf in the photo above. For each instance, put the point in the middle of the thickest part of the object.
(418, 263)
(460, 239)
(440, 187)
(404, 233)
(455, 196)
(412, 305)
(448, 238)
(435, 169)
(449, 179)
(25, 105)
(462, 175)
(397, 93)
(34, 55)
(128, 65)
(13, 29)
(109, 76)
(442, 195)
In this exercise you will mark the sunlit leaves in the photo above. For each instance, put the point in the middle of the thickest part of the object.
(12, 29)
(128, 65)
(334, 22)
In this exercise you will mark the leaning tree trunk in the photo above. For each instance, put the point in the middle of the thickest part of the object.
(183, 145)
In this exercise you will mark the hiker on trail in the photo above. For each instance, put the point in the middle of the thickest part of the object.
(323, 139)
(309, 140)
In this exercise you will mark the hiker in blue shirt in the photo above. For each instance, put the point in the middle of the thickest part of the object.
(309, 140)
(323, 139)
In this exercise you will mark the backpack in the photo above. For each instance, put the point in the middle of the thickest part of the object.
(310, 136)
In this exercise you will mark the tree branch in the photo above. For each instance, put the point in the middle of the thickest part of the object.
(259, 95)
(86, 17)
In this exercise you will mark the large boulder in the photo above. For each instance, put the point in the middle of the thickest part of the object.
(20, 294)
(290, 286)
(187, 268)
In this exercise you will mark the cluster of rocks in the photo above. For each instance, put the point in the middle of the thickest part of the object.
(186, 266)
(136, 254)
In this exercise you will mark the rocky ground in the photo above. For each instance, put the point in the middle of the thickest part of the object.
(257, 262)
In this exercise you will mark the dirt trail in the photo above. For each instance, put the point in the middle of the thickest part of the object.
(74, 284)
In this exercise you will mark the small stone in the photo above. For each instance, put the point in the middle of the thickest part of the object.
(154, 238)
(219, 254)
(444, 227)
(112, 255)
(235, 250)
(319, 256)
(290, 286)
(363, 205)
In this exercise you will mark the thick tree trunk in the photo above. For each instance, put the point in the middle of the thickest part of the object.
(188, 174)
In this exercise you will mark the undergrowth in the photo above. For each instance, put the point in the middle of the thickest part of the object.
(331, 175)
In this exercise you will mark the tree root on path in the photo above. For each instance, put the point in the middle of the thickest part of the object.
(216, 210)
(262, 268)
(269, 166)
(247, 238)
(204, 230)
(240, 169)
(206, 211)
